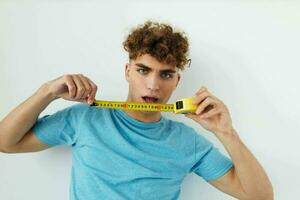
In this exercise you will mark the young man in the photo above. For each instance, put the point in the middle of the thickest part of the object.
(137, 154)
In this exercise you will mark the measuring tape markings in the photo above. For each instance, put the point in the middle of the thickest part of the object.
(181, 106)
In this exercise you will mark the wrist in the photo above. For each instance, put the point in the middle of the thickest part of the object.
(227, 135)
(46, 92)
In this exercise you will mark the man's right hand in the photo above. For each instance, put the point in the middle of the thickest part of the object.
(16, 134)
(73, 87)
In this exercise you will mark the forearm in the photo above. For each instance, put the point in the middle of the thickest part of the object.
(17, 123)
(251, 174)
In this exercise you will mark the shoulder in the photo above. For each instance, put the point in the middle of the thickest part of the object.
(73, 112)
(77, 109)
(181, 130)
(190, 133)
(82, 108)
(182, 127)
(83, 111)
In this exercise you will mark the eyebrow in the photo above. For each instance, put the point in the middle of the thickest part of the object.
(148, 68)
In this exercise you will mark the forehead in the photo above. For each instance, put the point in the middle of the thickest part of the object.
(153, 63)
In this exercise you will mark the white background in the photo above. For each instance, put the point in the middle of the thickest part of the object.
(245, 52)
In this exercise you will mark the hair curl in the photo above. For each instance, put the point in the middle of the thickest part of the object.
(160, 41)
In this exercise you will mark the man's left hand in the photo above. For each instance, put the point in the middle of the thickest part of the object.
(211, 112)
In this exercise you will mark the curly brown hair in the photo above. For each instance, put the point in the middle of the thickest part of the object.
(160, 41)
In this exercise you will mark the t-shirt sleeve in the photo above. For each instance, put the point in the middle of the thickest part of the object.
(210, 162)
(60, 128)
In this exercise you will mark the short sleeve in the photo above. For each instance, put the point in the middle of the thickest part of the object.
(61, 127)
(210, 162)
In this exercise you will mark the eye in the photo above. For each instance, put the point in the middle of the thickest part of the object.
(166, 75)
(142, 71)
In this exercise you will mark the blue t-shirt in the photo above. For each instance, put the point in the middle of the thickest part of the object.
(118, 157)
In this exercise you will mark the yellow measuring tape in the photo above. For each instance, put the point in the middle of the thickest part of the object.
(182, 106)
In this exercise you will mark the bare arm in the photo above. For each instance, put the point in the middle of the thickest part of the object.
(15, 129)
(17, 123)
(247, 179)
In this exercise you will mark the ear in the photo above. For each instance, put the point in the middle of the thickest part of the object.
(127, 69)
(178, 79)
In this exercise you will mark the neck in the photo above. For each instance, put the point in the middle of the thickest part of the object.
(144, 116)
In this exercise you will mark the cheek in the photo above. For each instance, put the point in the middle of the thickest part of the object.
(135, 83)
(168, 88)
(171, 85)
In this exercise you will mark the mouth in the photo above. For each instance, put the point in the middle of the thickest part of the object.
(149, 99)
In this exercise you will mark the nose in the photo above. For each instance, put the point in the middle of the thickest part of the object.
(153, 82)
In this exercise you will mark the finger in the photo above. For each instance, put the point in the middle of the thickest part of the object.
(87, 86)
(92, 95)
(203, 88)
(200, 97)
(71, 85)
(191, 116)
(210, 113)
(79, 87)
(208, 101)
(83, 100)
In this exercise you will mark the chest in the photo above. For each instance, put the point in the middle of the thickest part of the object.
(111, 152)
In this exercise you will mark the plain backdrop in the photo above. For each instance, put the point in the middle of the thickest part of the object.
(245, 52)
